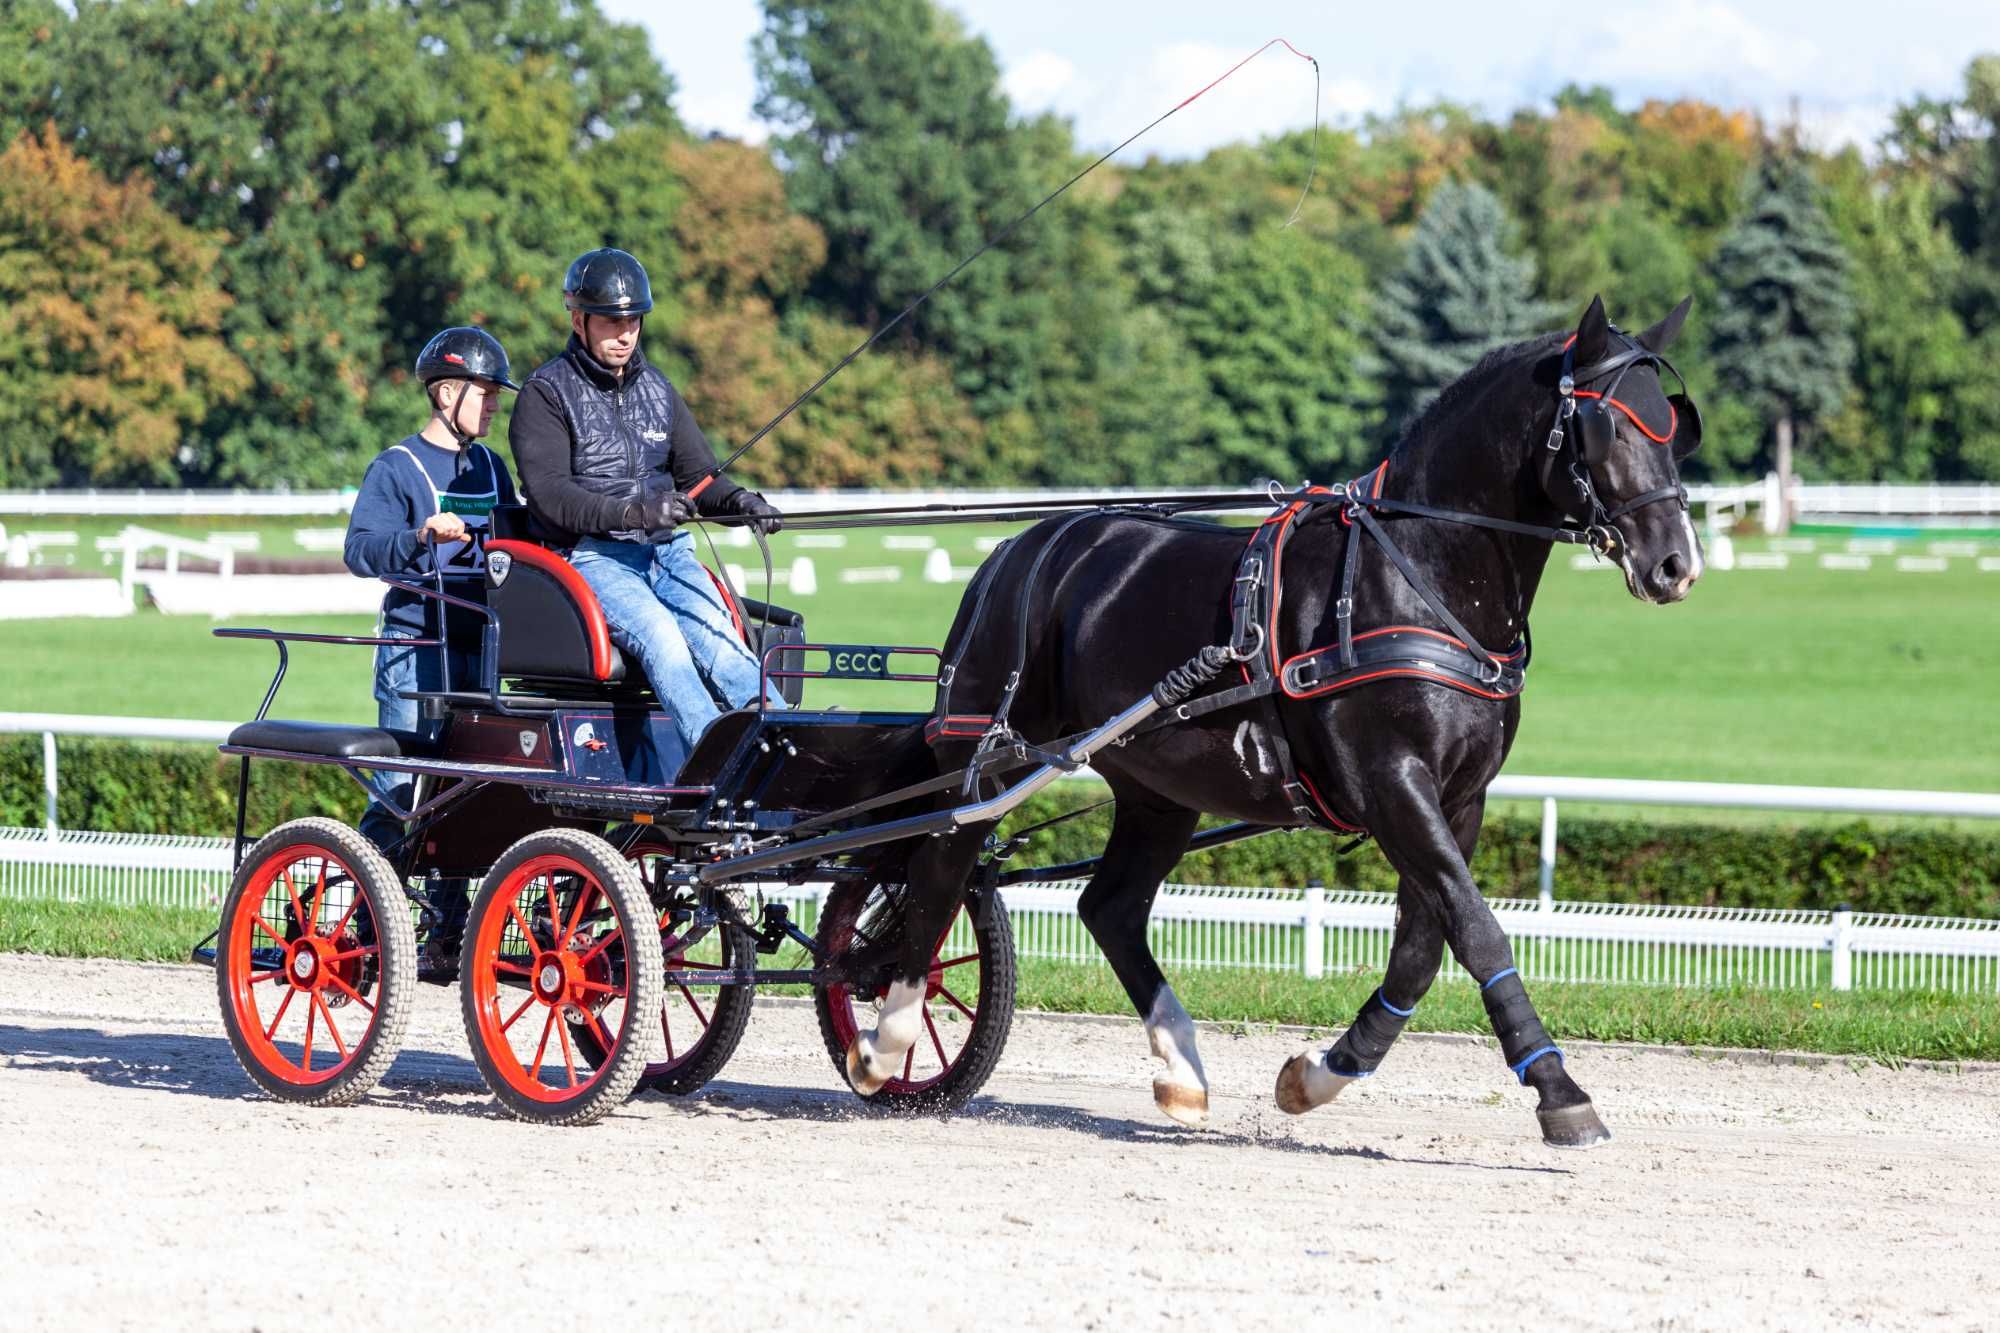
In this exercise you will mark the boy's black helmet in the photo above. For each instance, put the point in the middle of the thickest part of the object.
(465, 354)
(607, 282)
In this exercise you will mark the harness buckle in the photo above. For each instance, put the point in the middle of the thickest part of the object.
(1343, 608)
(1556, 438)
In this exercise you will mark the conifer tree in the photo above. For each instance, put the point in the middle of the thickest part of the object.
(1463, 289)
(1781, 337)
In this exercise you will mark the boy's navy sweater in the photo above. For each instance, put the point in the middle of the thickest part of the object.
(405, 485)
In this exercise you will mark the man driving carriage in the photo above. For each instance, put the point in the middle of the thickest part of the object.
(614, 464)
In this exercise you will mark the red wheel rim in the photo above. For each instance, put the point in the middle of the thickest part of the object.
(546, 953)
(296, 966)
(685, 1012)
(950, 1008)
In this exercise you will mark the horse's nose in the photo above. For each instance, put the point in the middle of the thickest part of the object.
(1671, 579)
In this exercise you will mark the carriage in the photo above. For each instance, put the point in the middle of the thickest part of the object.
(621, 927)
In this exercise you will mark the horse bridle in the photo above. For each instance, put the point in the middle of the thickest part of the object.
(1584, 415)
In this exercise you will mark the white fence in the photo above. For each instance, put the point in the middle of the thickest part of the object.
(1311, 932)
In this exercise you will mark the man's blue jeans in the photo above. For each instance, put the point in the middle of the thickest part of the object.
(664, 610)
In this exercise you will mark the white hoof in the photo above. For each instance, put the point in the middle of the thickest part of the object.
(1306, 1082)
(1181, 1103)
(864, 1073)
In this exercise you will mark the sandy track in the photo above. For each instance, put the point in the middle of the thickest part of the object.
(145, 1183)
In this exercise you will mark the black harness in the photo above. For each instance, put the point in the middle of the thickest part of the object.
(1452, 657)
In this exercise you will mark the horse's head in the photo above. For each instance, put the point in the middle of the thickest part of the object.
(1613, 460)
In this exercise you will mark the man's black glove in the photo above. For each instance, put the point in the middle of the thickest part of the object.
(658, 514)
(754, 506)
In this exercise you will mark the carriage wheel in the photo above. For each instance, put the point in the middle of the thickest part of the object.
(699, 1027)
(561, 933)
(315, 963)
(968, 1001)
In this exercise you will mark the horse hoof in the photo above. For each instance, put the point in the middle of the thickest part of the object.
(860, 1074)
(1304, 1083)
(1181, 1104)
(1291, 1091)
(1573, 1127)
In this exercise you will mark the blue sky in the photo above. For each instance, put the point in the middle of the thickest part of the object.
(1111, 65)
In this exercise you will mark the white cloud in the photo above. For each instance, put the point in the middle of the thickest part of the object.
(1039, 81)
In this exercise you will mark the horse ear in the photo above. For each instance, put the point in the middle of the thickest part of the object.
(1593, 334)
(1661, 336)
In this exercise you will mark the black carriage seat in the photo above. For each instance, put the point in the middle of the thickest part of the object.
(554, 637)
(334, 740)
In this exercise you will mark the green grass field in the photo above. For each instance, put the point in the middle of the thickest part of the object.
(1876, 1025)
(1873, 678)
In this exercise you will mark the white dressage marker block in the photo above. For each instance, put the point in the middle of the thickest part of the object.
(1963, 550)
(872, 574)
(1795, 545)
(804, 578)
(1589, 562)
(236, 541)
(1721, 550)
(989, 543)
(737, 578)
(1989, 564)
(1763, 560)
(1846, 562)
(1871, 546)
(320, 539)
(1922, 564)
(737, 536)
(937, 566)
(906, 542)
(820, 541)
(49, 599)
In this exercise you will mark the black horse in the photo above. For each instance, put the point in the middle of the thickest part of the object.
(1551, 437)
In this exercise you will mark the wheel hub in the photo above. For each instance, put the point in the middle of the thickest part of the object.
(308, 965)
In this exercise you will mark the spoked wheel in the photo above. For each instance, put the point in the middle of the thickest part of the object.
(561, 935)
(315, 963)
(699, 1026)
(968, 999)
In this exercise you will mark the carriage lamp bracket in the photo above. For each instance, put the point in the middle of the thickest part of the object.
(777, 927)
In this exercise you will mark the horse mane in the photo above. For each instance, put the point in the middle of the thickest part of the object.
(1473, 383)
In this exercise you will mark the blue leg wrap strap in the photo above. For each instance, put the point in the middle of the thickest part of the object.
(1400, 1013)
(1521, 1069)
(1503, 972)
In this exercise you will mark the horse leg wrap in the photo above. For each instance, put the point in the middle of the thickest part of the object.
(1374, 1030)
(1523, 1039)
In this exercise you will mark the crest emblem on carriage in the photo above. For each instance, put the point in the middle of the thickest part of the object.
(527, 743)
(499, 564)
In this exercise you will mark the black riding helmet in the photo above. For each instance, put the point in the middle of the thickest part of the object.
(607, 282)
(465, 354)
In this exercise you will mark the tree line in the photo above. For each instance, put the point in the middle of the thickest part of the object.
(220, 252)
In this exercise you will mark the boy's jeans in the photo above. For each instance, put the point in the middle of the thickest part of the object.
(663, 610)
(404, 668)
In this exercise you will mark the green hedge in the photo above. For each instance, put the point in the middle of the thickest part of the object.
(117, 785)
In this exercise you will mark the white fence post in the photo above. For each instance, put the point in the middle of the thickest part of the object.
(1843, 948)
(49, 782)
(1315, 926)
(1548, 853)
